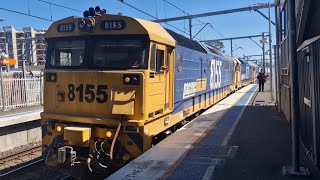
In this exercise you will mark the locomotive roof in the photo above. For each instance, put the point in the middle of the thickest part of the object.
(186, 42)
(244, 62)
(133, 26)
(252, 64)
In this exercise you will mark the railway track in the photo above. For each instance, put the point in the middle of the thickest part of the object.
(28, 165)
(19, 161)
(19, 155)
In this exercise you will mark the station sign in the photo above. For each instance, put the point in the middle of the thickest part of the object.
(7, 61)
(66, 27)
(113, 25)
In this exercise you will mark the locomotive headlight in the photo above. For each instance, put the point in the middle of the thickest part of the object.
(58, 128)
(127, 79)
(82, 24)
(109, 134)
(90, 24)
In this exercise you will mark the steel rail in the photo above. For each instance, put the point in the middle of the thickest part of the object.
(19, 155)
(22, 167)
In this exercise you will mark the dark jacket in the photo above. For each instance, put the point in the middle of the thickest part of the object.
(261, 77)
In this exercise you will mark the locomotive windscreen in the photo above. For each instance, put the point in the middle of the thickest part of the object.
(98, 53)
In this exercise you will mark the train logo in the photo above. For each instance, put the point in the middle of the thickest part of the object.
(215, 73)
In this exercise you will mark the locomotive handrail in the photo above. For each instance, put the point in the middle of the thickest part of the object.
(41, 93)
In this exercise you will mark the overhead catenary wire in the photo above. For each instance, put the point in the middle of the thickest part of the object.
(164, 9)
(39, 17)
(137, 9)
(25, 14)
(28, 6)
(155, 1)
(61, 6)
(203, 23)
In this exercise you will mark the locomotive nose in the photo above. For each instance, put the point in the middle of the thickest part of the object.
(97, 94)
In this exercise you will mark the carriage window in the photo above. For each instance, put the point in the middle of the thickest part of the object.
(179, 63)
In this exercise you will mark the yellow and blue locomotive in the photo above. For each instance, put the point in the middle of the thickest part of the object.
(113, 84)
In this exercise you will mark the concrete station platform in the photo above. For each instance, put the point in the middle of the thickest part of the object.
(19, 129)
(20, 115)
(242, 137)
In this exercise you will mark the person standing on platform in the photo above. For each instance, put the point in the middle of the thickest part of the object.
(262, 79)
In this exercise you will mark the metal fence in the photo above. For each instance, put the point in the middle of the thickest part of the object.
(20, 92)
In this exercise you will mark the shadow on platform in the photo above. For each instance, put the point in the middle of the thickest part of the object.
(263, 138)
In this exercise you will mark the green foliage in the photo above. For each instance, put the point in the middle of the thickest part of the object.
(219, 45)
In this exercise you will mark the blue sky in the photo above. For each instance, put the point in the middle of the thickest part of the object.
(231, 25)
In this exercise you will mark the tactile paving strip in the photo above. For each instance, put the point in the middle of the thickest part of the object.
(212, 139)
(189, 170)
(203, 151)
(195, 159)
(190, 167)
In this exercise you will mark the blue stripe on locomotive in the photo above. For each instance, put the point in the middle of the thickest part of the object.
(196, 65)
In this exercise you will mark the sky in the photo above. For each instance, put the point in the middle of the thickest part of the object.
(224, 26)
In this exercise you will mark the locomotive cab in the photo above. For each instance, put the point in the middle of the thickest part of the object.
(106, 78)
(237, 74)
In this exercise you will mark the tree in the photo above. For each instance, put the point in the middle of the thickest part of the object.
(219, 45)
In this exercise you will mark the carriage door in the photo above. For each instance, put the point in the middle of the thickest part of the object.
(160, 79)
(169, 70)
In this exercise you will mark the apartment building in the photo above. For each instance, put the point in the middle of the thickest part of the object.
(27, 44)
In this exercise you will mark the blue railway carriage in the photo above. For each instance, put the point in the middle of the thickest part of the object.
(202, 76)
(114, 85)
(255, 71)
(247, 72)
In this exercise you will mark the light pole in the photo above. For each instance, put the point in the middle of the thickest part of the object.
(1, 76)
(263, 42)
(5, 43)
(270, 49)
(295, 169)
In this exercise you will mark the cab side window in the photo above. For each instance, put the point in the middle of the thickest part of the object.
(160, 60)
(153, 58)
(157, 59)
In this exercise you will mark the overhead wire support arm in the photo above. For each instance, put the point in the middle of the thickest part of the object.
(190, 28)
(215, 13)
(233, 38)
(255, 42)
(263, 15)
(201, 29)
